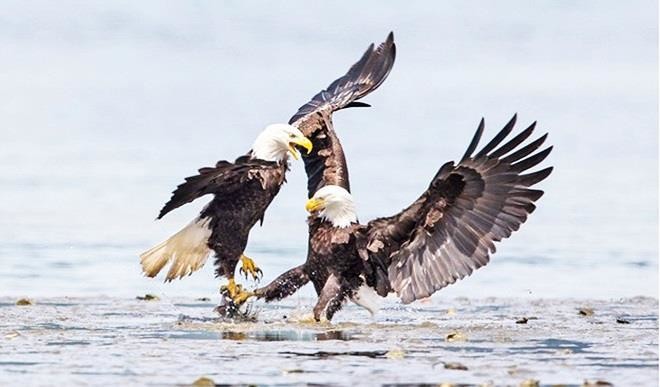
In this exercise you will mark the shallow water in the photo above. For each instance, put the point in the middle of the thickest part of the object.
(113, 341)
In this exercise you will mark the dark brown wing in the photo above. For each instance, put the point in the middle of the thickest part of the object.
(326, 163)
(223, 179)
(450, 230)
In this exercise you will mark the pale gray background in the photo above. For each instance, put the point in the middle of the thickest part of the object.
(107, 106)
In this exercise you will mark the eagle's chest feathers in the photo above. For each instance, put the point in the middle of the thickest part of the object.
(328, 240)
(273, 179)
(278, 178)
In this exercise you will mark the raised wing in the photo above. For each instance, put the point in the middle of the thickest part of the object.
(326, 163)
(223, 179)
(450, 230)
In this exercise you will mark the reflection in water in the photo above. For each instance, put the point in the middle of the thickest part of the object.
(287, 335)
(229, 335)
(326, 354)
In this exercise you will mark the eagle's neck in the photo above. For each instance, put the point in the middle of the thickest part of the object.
(340, 214)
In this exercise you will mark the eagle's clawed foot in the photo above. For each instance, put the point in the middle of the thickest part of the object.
(250, 268)
(233, 298)
(235, 292)
(230, 289)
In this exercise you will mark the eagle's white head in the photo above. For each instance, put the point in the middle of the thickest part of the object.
(277, 140)
(333, 204)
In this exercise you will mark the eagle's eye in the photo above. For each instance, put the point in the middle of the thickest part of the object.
(291, 135)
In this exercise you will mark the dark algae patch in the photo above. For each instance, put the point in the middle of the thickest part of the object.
(287, 335)
(148, 297)
(585, 311)
(326, 354)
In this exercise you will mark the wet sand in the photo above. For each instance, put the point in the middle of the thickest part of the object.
(492, 341)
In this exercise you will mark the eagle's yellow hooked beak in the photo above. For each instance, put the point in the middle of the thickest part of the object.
(314, 204)
(302, 142)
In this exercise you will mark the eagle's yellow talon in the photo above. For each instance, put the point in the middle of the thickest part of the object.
(231, 288)
(250, 268)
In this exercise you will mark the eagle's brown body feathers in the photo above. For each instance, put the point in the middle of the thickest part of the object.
(233, 212)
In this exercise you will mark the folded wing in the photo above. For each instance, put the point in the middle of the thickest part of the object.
(224, 179)
(326, 163)
(451, 229)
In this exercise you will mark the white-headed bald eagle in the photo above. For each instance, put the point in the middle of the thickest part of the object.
(241, 191)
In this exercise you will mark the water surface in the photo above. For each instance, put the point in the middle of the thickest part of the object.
(113, 341)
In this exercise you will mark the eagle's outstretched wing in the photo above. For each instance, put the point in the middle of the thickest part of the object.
(223, 179)
(326, 163)
(450, 230)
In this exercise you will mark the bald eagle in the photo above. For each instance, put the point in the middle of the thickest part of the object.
(446, 234)
(241, 191)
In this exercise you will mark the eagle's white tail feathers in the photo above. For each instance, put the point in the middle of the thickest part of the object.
(187, 249)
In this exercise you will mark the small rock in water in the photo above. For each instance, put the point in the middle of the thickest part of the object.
(294, 371)
(594, 383)
(204, 382)
(456, 336)
(522, 320)
(24, 302)
(148, 297)
(451, 312)
(530, 383)
(455, 366)
(621, 320)
(203, 299)
(586, 312)
(395, 353)
(12, 335)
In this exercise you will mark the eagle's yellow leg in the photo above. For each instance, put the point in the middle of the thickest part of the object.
(231, 288)
(249, 267)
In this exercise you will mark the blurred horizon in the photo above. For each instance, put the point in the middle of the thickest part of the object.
(108, 106)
